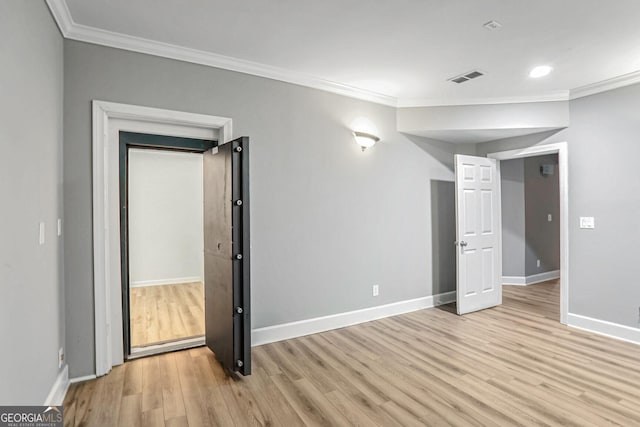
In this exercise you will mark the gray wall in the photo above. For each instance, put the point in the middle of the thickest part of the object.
(603, 141)
(541, 197)
(527, 199)
(328, 221)
(166, 238)
(31, 276)
(513, 217)
(443, 234)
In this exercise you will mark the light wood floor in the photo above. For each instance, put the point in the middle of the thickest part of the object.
(506, 366)
(166, 313)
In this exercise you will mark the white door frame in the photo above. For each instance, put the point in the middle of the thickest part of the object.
(106, 270)
(559, 148)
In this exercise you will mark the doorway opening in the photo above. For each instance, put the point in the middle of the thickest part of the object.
(162, 242)
(227, 244)
(219, 250)
(558, 281)
(530, 202)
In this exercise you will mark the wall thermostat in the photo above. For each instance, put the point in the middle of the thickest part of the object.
(546, 170)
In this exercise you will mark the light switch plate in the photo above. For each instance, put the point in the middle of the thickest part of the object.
(41, 234)
(59, 227)
(60, 357)
(549, 218)
(587, 222)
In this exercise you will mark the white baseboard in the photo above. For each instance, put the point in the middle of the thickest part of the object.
(602, 327)
(81, 379)
(530, 280)
(301, 328)
(514, 280)
(159, 282)
(59, 388)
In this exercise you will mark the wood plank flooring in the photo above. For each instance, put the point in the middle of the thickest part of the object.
(506, 366)
(166, 313)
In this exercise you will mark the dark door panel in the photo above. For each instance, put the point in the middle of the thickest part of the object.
(226, 247)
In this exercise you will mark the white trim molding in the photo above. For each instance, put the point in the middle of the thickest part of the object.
(59, 388)
(434, 102)
(163, 282)
(532, 279)
(602, 327)
(72, 30)
(106, 221)
(301, 328)
(62, 15)
(83, 378)
(563, 174)
(605, 85)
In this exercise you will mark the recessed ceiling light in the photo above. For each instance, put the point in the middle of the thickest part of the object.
(540, 71)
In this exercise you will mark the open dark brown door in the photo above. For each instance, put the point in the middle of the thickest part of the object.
(226, 255)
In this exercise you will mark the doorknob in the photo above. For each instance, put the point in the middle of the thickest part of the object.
(463, 243)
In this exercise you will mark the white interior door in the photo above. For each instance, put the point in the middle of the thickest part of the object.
(479, 258)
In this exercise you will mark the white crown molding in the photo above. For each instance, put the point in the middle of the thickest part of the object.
(605, 85)
(61, 14)
(433, 102)
(74, 31)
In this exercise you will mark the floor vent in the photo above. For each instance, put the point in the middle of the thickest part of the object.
(466, 76)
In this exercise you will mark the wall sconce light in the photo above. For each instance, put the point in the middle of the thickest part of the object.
(365, 140)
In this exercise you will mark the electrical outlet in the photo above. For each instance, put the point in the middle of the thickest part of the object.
(538, 263)
(60, 357)
(376, 290)
(549, 218)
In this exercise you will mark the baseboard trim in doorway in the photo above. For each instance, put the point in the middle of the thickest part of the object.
(82, 379)
(602, 327)
(59, 388)
(159, 282)
(530, 280)
(166, 347)
(301, 328)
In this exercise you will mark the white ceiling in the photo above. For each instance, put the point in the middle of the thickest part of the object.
(406, 49)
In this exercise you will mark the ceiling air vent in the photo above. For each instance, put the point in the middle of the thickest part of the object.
(466, 77)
